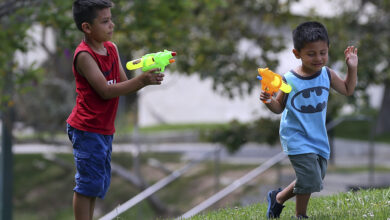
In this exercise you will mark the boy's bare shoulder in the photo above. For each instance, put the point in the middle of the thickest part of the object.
(84, 61)
(84, 56)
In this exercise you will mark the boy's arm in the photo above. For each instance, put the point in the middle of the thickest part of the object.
(346, 86)
(277, 104)
(89, 69)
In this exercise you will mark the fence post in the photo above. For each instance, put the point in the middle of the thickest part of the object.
(371, 155)
(217, 162)
(6, 156)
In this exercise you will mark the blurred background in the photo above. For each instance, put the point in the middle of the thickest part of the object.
(205, 123)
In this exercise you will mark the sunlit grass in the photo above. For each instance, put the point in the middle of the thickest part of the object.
(363, 204)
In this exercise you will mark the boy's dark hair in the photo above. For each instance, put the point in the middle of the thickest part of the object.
(85, 10)
(307, 32)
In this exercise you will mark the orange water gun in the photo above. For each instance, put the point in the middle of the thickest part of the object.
(271, 82)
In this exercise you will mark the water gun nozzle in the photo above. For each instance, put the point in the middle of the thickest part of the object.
(173, 53)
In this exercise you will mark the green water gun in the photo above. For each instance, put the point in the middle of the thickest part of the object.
(152, 60)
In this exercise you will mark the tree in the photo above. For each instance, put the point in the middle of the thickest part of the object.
(208, 36)
(14, 21)
(52, 97)
(365, 25)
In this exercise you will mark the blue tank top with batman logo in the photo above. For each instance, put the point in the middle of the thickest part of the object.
(302, 126)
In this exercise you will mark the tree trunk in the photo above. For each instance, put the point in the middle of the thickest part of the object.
(6, 156)
(383, 121)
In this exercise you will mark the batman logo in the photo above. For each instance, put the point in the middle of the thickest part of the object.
(310, 100)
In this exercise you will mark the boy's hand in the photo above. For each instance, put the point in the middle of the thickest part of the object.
(351, 57)
(152, 77)
(264, 96)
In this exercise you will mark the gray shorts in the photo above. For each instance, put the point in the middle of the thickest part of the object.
(310, 170)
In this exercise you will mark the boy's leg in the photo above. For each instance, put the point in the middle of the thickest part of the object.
(92, 207)
(276, 198)
(83, 206)
(310, 170)
(301, 204)
(93, 170)
(286, 193)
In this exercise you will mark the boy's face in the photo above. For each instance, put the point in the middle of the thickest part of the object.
(314, 55)
(102, 26)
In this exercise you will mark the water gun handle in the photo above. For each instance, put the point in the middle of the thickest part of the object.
(272, 82)
(264, 89)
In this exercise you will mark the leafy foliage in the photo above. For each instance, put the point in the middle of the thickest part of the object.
(52, 97)
(223, 40)
(207, 35)
(365, 25)
(14, 22)
(236, 134)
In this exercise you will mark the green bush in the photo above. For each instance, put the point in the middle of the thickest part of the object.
(236, 134)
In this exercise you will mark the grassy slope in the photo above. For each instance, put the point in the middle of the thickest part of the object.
(364, 204)
(38, 183)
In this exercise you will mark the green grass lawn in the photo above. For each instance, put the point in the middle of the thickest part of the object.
(363, 204)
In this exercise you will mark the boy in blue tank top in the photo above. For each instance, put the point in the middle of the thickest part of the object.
(302, 127)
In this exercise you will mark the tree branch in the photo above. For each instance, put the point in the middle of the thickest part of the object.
(11, 6)
(43, 42)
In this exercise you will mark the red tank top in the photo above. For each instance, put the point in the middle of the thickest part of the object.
(91, 112)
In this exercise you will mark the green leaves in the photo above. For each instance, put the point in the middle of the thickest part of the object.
(236, 134)
(206, 35)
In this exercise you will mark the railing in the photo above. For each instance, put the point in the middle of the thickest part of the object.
(154, 188)
(236, 184)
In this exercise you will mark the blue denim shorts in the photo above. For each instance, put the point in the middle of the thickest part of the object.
(310, 170)
(92, 156)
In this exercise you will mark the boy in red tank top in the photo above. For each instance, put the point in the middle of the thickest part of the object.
(100, 80)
